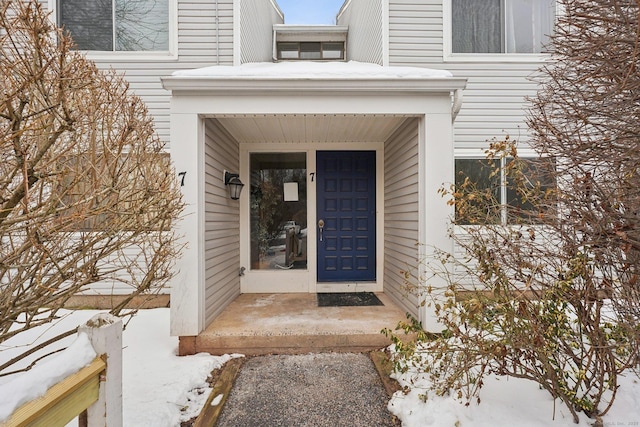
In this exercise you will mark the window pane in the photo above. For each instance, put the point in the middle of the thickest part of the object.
(332, 50)
(476, 26)
(537, 175)
(310, 51)
(482, 179)
(142, 25)
(499, 26)
(288, 50)
(528, 24)
(278, 224)
(89, 22)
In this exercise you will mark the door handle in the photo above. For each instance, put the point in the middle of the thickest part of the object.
(320, 228)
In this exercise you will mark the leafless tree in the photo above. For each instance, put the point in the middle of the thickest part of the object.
(586, 116)
(549, 288)
(87, 194)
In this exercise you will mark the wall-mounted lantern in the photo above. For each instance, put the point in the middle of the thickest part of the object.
(232, 181)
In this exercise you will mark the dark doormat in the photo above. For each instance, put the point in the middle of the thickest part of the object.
(348, 299)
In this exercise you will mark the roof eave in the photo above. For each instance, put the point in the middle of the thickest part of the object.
(208, 84)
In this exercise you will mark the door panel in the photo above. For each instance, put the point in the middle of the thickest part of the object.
(346, 211)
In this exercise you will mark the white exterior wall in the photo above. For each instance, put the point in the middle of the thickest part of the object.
(221, 222)
(494, 100)
(255, 41)
(401, 194)
(365, 41)
(202, 36)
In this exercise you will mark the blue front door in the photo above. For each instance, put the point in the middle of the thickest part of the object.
(346, 204)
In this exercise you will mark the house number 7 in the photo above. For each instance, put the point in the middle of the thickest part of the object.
(182, 175)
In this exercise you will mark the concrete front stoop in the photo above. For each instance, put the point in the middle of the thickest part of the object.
(260, 324)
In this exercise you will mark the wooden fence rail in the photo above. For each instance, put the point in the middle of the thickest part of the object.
(94, 393)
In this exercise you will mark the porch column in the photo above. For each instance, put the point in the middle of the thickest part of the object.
(437, 157)
(187, 284)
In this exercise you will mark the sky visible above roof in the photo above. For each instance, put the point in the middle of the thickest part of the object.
(310, 11)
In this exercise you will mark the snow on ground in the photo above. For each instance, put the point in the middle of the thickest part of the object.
(159, 388)
(505, 402)
(162, 389)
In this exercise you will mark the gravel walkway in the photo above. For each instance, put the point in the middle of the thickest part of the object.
(327, 389)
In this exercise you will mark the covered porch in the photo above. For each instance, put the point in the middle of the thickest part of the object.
(337, 131)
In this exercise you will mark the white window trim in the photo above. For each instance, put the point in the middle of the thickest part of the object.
(449, 56)
(133, 56)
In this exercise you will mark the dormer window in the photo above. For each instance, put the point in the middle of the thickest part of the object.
(311, 51)
(310, 42)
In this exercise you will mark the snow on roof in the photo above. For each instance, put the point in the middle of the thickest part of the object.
(313, 70)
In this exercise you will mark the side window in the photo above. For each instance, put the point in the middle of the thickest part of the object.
(116, 25)
(501, 26)
(500, 195)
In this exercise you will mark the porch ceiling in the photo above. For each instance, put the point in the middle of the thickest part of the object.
(315, 128)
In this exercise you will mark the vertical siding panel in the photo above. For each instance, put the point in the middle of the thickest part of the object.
(364, 42)
(256, 30)
(401, 212)
(222, 225)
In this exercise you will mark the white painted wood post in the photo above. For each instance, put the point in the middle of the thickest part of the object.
(105, 333)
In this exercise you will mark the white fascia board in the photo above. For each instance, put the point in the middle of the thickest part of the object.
(207, 85)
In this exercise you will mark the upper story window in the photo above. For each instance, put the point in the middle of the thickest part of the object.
(116, 25)
(501, 26)
(311, 50)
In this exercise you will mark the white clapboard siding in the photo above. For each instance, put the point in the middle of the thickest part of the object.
(494, 100)
(365, 39)
(222, 224)
(256, 30)
(119, 279)
(197, 28)
(401, 212)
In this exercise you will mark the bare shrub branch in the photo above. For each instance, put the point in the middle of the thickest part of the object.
(549, 288)
(87, 194)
